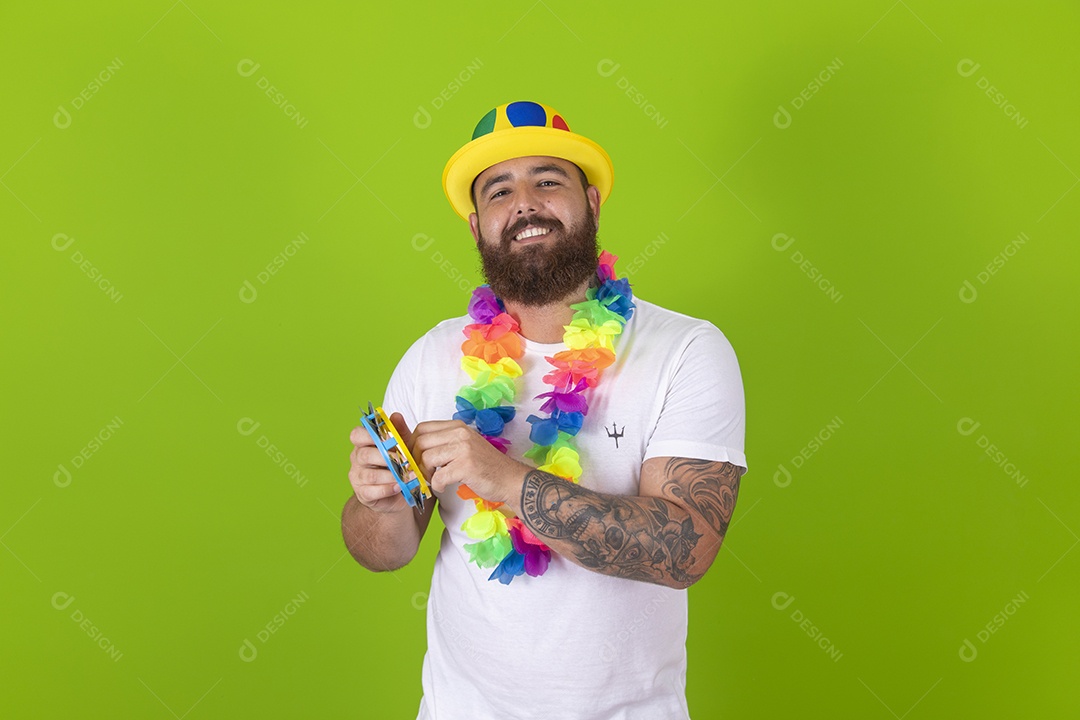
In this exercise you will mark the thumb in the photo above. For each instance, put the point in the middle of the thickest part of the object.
(403, 429)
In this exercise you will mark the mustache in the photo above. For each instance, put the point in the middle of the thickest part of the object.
(533, 220)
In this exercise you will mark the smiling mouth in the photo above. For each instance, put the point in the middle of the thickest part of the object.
(531, 232)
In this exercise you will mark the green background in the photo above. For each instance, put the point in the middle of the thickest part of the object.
(896, 536)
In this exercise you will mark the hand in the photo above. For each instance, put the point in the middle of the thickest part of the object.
(371, 480)
(450, 452)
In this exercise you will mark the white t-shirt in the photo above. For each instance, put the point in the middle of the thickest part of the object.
(573, 643)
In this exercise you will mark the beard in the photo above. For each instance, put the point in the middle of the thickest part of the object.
(536, 275)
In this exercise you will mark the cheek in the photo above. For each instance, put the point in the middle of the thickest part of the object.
(554, 208)
(493, 229)
(489, 235)
(568, 212)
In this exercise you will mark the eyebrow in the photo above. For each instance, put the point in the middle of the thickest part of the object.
(534, 170)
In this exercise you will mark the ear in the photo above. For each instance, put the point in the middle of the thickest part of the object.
(474, 226)
(593, 196)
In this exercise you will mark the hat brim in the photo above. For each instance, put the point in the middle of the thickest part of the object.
(478, 155)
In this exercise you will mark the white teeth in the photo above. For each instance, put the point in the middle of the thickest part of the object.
(531, 232)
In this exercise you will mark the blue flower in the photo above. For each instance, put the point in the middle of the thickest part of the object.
(489, 421)
(617, 297)
(545, 431)
(511, 566)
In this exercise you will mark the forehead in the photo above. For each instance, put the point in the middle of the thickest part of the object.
(522, 165)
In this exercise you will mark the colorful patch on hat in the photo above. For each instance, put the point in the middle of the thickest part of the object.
(526, 113)
(486, 124)
(519, 114)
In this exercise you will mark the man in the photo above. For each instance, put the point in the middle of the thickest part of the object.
(594, 623)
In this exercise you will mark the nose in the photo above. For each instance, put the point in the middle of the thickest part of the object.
(525, 200)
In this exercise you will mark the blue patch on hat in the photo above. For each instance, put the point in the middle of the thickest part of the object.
(526, 113)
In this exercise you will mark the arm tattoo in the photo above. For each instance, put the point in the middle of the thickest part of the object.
(708, 488)
(639, 538)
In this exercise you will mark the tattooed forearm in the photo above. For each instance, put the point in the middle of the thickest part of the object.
(640, 538)
(708, 488)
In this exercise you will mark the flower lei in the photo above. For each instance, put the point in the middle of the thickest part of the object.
(491, 348)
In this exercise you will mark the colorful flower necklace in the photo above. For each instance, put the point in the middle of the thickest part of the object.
(491, 349)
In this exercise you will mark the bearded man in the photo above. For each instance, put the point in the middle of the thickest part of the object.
(572, 534)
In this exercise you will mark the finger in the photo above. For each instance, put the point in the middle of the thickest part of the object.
(447, 465)
(433, 426)
(371, 494)
(403, 430)
(437, 457)
(446, 478)
(360, 436)
(445, 434)
(359, 456)
(428, 460)
(439, 448)
(370, 477)
(439, 479)
(368, 457)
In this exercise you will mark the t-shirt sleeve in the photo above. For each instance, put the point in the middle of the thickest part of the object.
(703, 415)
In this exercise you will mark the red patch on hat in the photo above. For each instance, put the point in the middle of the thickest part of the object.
(558, 123)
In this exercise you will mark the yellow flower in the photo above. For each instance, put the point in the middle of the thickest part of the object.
(563, 462)
(504, 366)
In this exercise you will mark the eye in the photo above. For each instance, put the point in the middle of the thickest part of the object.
(498, 193)
(553, 182)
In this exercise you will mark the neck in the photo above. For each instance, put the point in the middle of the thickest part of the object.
(544, 323)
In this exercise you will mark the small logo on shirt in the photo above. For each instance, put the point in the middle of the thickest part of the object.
(615, 433)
